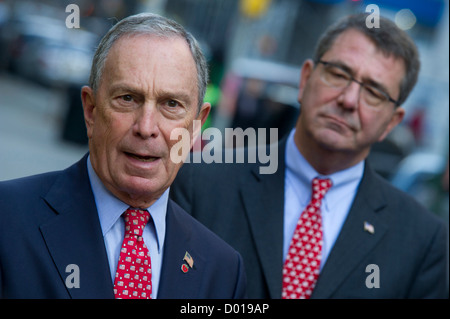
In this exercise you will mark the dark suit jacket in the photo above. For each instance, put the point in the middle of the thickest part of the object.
(50, 221)
(246, 208)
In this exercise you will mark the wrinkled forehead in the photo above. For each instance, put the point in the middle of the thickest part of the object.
(141, 55)
(124, 46)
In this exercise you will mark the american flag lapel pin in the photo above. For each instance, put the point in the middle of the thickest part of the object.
(190, 262)
(187, 258)
(368, 227)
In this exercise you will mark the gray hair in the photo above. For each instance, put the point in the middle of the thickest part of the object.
(388, 38)
(149, 24)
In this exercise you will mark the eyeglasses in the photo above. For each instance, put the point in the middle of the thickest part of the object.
(337, 77)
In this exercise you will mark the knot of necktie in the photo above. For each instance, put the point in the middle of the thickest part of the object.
(135, 221)
(319, 188)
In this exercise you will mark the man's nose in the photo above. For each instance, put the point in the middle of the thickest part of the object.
(349, 97)
(146, 122)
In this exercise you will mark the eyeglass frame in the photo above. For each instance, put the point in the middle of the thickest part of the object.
(362, 84)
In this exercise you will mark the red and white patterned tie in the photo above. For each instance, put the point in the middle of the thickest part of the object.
(134, 272)
(301, 268)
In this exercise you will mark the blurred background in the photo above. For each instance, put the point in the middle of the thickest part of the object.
(255, 50)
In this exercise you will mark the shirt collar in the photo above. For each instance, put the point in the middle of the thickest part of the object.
(300, 168)
(110, 208)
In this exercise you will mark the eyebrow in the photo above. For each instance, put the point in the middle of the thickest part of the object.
(164, 94)
(125, 88)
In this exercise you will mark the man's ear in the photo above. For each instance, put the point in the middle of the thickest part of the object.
(305, 74)
(204, 112)
(397, 117)
(202, 116)
(88, 100)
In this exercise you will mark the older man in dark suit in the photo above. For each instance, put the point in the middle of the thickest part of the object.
(325, 225)
(105, 227)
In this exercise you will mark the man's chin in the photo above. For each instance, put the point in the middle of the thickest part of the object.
(140, 192)
(334, 141)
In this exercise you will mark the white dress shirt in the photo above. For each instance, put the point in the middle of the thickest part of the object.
(110, 208)
(335, 205)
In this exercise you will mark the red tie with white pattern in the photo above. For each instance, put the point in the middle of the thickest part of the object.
(134, 272)
(301, 268)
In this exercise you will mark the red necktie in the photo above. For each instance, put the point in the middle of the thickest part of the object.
(134, 272)
(301, 268)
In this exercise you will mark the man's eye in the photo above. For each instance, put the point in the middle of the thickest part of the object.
(127, 98)
(374, 92)
(172, 103)
(339, 74)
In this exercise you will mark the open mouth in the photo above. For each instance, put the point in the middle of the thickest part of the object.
(141, 158)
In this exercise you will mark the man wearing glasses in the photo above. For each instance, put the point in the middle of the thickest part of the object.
(325, 225)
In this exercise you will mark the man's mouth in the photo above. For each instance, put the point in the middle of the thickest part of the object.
(341, 122)
(142, 158)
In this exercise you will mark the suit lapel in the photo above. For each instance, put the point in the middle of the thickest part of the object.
(73, 235)
(174, 283)
(263, 198)
(354, 242)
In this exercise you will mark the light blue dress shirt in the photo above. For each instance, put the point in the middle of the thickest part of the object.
(110, 208)
(335, 205)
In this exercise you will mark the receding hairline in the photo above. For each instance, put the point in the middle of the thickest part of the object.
(378, 49)
(149, 37)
